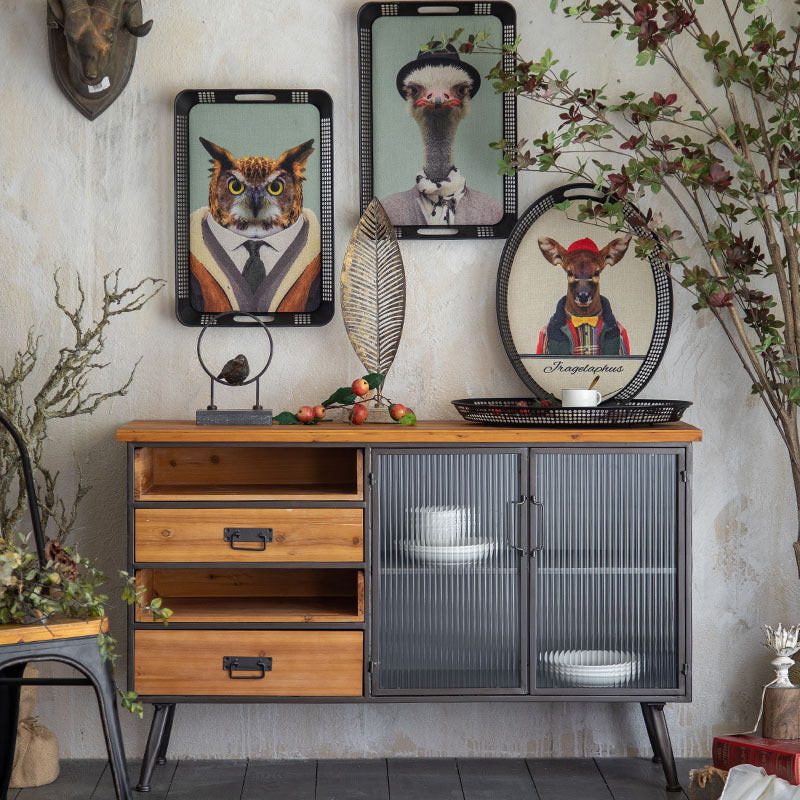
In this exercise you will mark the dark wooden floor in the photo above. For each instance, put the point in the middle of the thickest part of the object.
(378, 779)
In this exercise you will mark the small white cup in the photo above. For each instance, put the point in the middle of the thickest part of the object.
(580, 398)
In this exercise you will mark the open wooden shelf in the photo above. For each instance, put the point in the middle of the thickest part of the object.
(262, 609)
(175, 474)
(253, 595)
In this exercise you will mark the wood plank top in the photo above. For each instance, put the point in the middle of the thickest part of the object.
(424, 432)
(54, 629)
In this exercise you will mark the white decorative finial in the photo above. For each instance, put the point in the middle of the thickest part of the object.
(785, 642)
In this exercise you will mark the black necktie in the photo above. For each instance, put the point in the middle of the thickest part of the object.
(254, 270)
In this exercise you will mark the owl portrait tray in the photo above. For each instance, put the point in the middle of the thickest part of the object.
(575, 302)
(427, 118)
(254, 206)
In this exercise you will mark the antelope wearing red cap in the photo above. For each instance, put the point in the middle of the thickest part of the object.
(584, 324)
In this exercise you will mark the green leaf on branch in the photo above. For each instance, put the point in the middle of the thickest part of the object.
(286, 418)
(339, 396)
(374, 379)
(409, 418)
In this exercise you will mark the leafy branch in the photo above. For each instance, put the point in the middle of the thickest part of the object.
(64, 392)
(726, 158)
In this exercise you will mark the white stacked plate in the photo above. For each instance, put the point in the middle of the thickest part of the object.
(591, 668)
(469, 552)
(443, 526)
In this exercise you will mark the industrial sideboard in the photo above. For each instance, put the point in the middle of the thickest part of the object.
(381, 563)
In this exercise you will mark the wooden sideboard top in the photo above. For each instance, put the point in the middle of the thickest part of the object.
(425, 431)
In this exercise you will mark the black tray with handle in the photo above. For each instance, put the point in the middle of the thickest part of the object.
(535, 413)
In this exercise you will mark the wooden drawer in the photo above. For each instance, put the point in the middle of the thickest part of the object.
(298, 534)
(304, 663)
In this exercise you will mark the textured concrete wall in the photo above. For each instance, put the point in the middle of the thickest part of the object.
(89, 197)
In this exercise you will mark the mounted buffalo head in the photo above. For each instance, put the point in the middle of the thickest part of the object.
(92, 48)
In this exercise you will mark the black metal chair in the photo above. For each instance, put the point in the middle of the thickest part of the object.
(72, 642)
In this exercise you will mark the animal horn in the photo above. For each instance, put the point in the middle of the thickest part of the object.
(61, 8)
(135, 30)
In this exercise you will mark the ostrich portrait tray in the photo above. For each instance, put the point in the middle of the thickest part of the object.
(575, 301)
(428, 115)
(254, 206)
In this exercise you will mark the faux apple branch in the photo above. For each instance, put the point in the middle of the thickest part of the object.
(354, 397)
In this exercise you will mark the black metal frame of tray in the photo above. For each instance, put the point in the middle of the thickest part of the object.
(529, 412)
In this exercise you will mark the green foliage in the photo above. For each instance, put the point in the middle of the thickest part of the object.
(286, 418)
(66, 586)
(732, 175)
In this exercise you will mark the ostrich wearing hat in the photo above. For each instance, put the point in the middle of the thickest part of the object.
(438, 89)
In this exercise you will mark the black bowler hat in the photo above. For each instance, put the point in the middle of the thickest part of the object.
(435, 58)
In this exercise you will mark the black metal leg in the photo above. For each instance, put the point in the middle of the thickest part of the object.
(656, 725)
(9, 717)
(99, 673)
(162, 751)
(158, 728)
(651, 732)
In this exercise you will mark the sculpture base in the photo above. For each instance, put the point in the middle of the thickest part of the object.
(782, 713)
(233, 416)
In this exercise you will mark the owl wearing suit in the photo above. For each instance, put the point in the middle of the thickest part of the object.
(255, 248)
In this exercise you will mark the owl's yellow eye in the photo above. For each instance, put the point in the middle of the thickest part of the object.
(275, 187)
(235, 186)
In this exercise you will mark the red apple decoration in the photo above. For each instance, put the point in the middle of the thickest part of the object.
(305, 414)
(319, 412)
(358, 416)
(360, 387)
(397, 411)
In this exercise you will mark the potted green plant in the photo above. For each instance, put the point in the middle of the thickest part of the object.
(723, 154)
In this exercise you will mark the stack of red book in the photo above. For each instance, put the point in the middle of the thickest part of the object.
(779, 757)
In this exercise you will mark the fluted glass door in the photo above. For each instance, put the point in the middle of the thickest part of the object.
(449, 572)
(606, 531)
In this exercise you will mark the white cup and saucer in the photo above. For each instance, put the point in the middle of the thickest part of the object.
(580, 398)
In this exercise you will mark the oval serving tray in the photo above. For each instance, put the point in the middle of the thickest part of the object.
(528, 411)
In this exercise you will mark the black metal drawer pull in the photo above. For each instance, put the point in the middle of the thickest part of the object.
(235, 535)
(260, 664)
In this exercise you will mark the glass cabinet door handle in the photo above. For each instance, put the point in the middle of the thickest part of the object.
(515, 524)
(539, 520)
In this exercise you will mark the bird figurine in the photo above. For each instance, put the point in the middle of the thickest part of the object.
(235, 372)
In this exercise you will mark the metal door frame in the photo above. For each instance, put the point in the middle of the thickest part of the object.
(372, 483)
(683, 573)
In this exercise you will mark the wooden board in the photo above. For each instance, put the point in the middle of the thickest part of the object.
(280, 780)
(260, 609)
(496, 779)
(568, 778)
(159, 784)
(299, 534)
(209, 780)
(354, 779)
(243, 582)
(231, 473)
(76, 779)
(424, 779)
(637, 779)
(439, 431)
(54, 629)
(304, 663)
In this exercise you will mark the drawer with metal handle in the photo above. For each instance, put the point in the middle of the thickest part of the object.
(244, 535)
(248, 663)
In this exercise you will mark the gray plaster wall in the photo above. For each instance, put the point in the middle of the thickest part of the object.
(86, 198)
